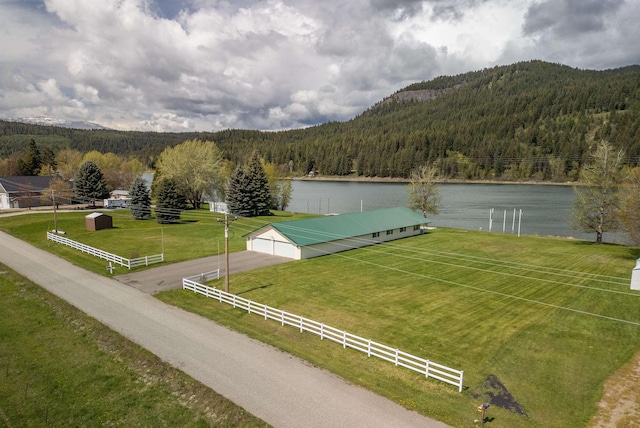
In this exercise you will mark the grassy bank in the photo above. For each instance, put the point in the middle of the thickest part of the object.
(538, 324)
(59, 367)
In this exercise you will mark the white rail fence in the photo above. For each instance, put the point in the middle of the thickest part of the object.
(128, 263)
(347, 340)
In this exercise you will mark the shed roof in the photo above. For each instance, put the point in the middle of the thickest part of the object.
(96, 215)
(331, 228)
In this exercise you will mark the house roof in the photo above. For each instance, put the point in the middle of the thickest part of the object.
(331, 228)
(17, 184)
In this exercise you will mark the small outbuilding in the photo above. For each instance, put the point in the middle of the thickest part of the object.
(98, 221)
(304, 239)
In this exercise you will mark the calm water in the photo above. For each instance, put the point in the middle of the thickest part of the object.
(546, 208)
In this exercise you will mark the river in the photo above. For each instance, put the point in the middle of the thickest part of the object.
(545, 208)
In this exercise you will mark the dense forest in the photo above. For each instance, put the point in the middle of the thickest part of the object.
(527, 121)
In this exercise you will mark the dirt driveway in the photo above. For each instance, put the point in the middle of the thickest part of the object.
(168, 277)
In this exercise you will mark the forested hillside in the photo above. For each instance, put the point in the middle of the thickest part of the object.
(530, 120)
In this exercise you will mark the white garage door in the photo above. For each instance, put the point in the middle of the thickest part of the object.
(262, 245)
(285, 249)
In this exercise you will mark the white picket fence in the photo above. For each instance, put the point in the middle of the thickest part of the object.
(347, 340)
(128, 263)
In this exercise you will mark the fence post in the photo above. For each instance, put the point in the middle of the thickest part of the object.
(460, 386)
(321, 331)
(426, 369)
(396, 356)
(369, 348)
(344, 339)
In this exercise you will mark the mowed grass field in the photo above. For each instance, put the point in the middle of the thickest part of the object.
(537, 324)
(199, 233)
(61, 368)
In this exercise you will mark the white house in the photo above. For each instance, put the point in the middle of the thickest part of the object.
(304, 239)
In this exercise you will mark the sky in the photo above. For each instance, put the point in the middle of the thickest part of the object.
(207, 65)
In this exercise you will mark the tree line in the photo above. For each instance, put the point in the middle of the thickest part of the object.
(526, 121)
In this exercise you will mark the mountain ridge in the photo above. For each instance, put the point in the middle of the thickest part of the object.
(530, 120)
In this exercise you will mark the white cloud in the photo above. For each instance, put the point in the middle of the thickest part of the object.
(214, 64)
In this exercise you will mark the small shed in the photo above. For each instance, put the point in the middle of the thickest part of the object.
(98, 221)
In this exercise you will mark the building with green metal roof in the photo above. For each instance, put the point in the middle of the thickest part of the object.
(313, 237)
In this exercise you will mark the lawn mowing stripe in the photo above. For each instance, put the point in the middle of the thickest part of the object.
(506, 273)
(495, 292)
(527, 266)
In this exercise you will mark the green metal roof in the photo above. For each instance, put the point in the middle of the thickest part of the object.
(330, 228)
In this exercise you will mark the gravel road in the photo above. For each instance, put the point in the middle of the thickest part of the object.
(167, 277)
(277, 387)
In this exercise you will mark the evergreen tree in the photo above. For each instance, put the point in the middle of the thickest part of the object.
(238, 194)
(258, 186)
(169, 201)
(49, 163)
(596, 208)
(89, 184)
(140, 200)
(31, 163)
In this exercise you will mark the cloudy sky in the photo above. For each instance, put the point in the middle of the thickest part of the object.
(184, 65)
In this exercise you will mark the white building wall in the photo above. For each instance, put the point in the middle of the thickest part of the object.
(278, 244)
(4, 201)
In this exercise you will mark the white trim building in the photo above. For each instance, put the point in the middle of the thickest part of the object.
(304, 239)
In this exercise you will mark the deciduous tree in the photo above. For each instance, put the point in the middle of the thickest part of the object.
(597, 193)
(68, 163)
(59, 191)
(630, 206)
(424, 193)
(195, 167)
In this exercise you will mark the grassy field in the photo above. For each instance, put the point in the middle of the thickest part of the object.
(537, 324)
(59, 367)
(198, 234)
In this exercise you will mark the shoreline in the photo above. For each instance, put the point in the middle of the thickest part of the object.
(406, 180)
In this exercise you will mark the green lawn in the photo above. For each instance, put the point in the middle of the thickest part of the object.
(59, 367)
(199, 233)
(538, 323)
(550, 319)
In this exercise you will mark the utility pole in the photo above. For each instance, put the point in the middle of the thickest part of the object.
(55, 214)
(226, 250)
